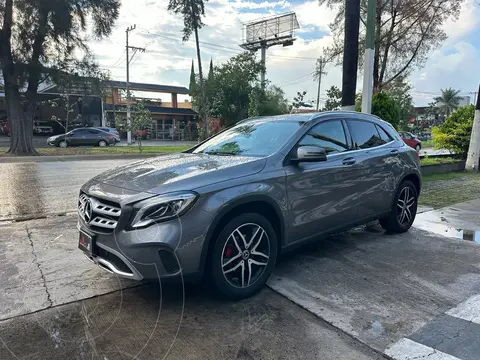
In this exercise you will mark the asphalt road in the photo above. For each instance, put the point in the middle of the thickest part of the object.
(41, 142)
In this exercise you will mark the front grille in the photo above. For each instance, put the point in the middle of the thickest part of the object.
(99, 214)
(169, 261)
(114, 260)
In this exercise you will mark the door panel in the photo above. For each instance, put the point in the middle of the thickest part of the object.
(375, 158)
(75, 138)
(321, 196)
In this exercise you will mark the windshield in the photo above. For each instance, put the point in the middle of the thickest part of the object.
(255, 138)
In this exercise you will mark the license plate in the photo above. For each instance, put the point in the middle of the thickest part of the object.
(85, 242)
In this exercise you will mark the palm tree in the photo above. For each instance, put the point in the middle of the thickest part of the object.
(448, 101)
(192, 12)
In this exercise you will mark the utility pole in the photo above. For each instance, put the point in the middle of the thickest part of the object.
(473, 156)
(350, 54)
(369, 55)
(319, 71)
(135, 49)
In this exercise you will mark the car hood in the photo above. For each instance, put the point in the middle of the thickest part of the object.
(178, 172)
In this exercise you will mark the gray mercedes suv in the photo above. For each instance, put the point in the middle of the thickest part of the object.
(229, 206)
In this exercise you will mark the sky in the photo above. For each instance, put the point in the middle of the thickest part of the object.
(167, 59)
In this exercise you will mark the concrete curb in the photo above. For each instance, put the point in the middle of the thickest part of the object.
(47, 158)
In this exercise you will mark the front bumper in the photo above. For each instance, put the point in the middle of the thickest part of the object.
(165, 250)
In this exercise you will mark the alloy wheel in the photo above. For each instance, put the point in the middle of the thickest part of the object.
(63, 144)
(405, 206)
(102, 143)
(245, 255)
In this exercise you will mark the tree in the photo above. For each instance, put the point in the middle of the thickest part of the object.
(140, 121)
(406, 32)
(210, 70)
(473, 157)
(399, 91)
(448, 101)
(267, 102)
(234, 82)
(383, 106)
(192, 87)
(334, 99)
(454, 134)
(299, 101)
(40, 40)
(192, 12)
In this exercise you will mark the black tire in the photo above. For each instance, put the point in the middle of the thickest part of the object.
(102, 143)
(393, 222)
(63, 144)
(246, 223)
(418, 147)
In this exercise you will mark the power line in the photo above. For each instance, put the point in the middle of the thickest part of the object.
(298, 80)
(116, 63)
(230, 49)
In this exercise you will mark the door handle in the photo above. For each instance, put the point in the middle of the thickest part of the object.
(394, 152)
(348, 161)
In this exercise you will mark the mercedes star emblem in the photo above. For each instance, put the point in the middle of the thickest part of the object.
(88, 211)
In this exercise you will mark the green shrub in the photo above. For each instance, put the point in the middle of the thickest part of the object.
(384, 106)
(454, 133)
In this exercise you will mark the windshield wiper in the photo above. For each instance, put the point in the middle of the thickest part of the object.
(220, 153)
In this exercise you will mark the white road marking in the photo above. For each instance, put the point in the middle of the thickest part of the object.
(468, 310)
(406, 349)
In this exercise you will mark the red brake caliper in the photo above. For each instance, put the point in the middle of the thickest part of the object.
(228, 251)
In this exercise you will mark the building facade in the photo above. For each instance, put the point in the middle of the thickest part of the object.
(61, 109)
(171, 120)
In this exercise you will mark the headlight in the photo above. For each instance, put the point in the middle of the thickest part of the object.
(162, 208)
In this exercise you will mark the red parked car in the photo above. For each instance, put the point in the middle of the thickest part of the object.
(5, 129)
(411, 140)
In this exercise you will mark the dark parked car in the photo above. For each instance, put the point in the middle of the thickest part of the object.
(227, 207)
(112, 131)
(82, 137)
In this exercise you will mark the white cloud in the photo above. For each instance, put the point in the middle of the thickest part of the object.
(168, 60)
(468, 21)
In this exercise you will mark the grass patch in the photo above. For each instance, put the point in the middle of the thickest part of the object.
(427, 143)
(440, 190)
(445, 176)
(437, 160)
(54, 151)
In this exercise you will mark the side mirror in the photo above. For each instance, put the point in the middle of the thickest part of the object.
(310, 153)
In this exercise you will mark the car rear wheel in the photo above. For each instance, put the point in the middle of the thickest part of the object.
(102, 143)
(63, 144)
(243, 256)
(404, 209)
(418, 147)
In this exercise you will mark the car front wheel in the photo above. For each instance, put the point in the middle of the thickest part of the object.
(418, 147)
(63, 144)
(404, 209)
(102, 143)
(243, 256)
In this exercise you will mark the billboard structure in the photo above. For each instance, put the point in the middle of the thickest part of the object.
(263, 33)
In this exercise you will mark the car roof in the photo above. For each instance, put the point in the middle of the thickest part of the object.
(309, 117)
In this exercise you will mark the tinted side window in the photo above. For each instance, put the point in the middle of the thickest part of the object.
(365, 134)
(79, 132)
(383, 134)
(92, 131)
(330, 135)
